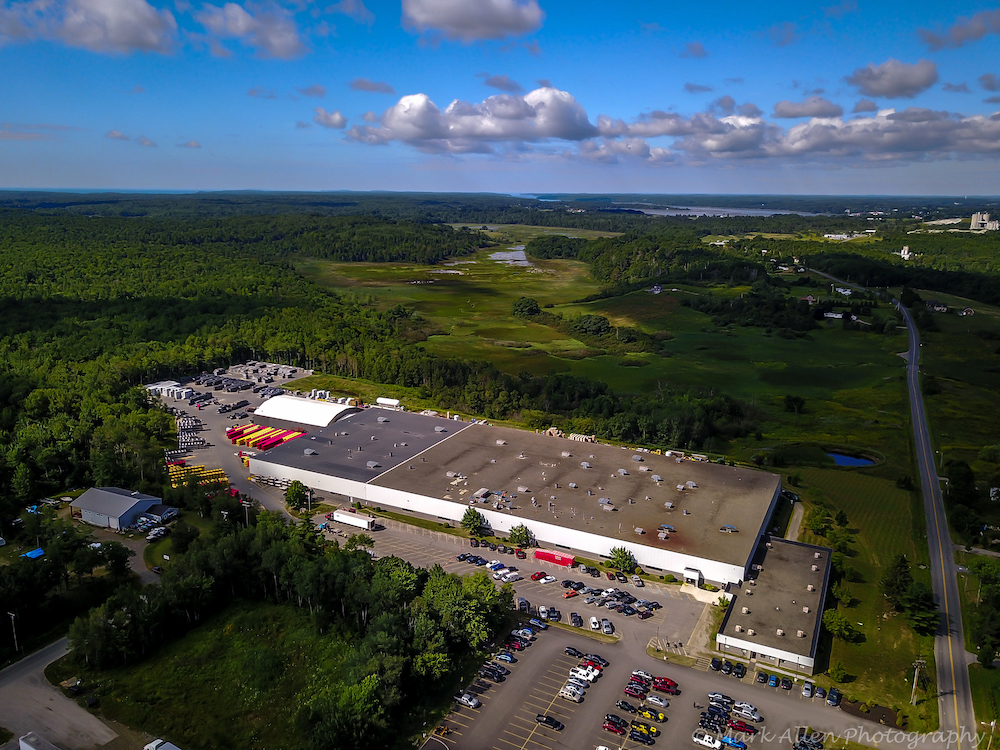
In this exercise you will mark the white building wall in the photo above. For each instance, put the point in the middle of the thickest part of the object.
(785, 658)
(552, 534)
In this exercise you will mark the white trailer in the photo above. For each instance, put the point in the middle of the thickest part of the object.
(354, 519)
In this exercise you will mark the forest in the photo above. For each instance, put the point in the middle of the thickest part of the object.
(408, 629)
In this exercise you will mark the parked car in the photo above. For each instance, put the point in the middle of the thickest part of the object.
(716, 665)
(575, 620)
(613, 728)
(634, 691)
(548, 721)
(537, 576)
(626, 706)
(549, 579)
(807, 689)
(472, 542)
(733, 742)
(762, 678)
(657, 701)
(703, 738)
(833, 698)
(637, 736)
(575, 653)
(637, 581)
(468, 699)
(521, 554)
(506, 656)
(595, 624)
(653, 715)
(606, 627)
(569, 594)
(786, 683)
(543, 612)
(820, 692)
(645, 615)
(642, 675)
(598, 658)
(738, 725)
(721, 698)
(727, 667)
(773, 681)
(739, 670)
(538, 624)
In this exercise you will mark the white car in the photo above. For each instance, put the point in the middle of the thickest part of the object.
(595, 624)
(468, 699)
(498, 574)
(607, 627)
(743, 706)
(720, 698)
(703, 738)
(579, 674)
(549, 579)
(543, 612)
(644, 675)
(637, 581)
(657, 701)
(524, 633)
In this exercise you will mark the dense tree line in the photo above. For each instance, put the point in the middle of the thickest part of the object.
(985, 625)
(408, 627)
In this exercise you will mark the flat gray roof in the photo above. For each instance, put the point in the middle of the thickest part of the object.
(111, 501)
(778, 596)
(723, 495)
(345, 447)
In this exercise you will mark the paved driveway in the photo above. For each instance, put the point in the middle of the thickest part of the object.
(28, 703)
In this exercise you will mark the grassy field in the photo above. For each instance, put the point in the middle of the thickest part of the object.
(985, 693)
(885, 521)
(152, 553)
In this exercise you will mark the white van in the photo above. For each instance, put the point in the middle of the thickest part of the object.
(571, 694)
(511, 577)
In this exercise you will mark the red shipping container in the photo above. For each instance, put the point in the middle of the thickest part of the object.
(552, 556)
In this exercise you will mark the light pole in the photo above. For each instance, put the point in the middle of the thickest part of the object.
(13, 617)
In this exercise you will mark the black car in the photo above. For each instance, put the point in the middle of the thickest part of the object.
(594, 573)
(495, 676)
(629, 611)
(626, 706)
(727, 667)
(577, 586)
(739, 671)
(762, 677)
(548, 721)
(463, 557)
(566, 584)
(473, 542)
(501, 548)
(786, 684)
(575, 653)
(716, 665)
(497, 668)
(640, 737)
(616, 720)
(621, 577)
(575, 620)
(833, 698)
(654, 605)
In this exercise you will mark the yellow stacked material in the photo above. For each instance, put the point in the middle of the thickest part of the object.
(256, 439)
(249, 438)
(181, 474)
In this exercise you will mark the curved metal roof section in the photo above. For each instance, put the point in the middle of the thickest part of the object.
(304, 411)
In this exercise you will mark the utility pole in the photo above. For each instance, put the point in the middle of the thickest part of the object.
(13, 616)
(916, 672)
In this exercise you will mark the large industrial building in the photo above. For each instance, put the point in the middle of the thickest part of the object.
(694, 519)
(113, 507)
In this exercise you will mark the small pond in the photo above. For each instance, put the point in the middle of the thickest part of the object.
(842, 459)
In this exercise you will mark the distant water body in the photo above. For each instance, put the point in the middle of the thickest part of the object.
(685, 210)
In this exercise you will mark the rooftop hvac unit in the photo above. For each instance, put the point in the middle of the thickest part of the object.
(586, 465)
(501, 442)
(372, 464)
(522, 488)
(815, 568)
(680, 486)
(749, 593)
(817, 555)
(607, 506)
(691, 484)
(637, 458)
(751, 631)
(805, 610)
(604, 500)
(451, 474)
(622, 473)
(739, 628)
(310, 452)
(644, 468)
(439, 428)
(668, 505)
(780, 631)
(382, 419)
(800, 633)
(573, 485)
(810, 587)
(657, 478)
(745, 610)
(566, 454)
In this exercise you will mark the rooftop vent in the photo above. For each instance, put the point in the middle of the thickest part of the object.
(622, 473)
(749, 593)
(310, 452)
(382, 419)
(815, 568)
(566, 454)
(668, 505)
(604, 500)
(810, 587)
(637, 458)
(817, 555)
(680, 486)
(745, 610)
(800, 633)
(573, 485)
(522, 488)
(501, 442)
(657, 478)
(751, 631)
(805, 610)
(439, 428)
(780, 631)
(644, 468)
(451, 474)
(739, 628)
(691, 484)
(586, 465)
(373, 464)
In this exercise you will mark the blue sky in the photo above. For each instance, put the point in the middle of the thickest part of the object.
(847, 96)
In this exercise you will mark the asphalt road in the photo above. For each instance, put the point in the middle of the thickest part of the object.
(28, 703)
(955, 692)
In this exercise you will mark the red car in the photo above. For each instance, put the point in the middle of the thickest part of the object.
(570, 594)
(514, 645)
(741, 726)
(611, 576)
(611, 727)
(594, 664)
(634, 691)
(538, 576)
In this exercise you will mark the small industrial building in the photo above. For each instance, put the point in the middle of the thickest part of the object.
(776, 617)
(694, 519)
(170, 389)
(296, 413)
(112, 507)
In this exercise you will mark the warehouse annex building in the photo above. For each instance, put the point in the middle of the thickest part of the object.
(697, 520)
(113, 507)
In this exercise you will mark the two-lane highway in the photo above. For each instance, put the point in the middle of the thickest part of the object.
(955, 692)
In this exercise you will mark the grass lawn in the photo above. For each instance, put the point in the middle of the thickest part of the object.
(985, 693)
(152, 553)
(5, 735)
(886, 521)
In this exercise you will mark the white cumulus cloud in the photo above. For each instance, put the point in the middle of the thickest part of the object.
(814, 106)
(894, 79)
(329, 119)
(272, 33)
(471, 20)
(116, 135)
